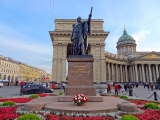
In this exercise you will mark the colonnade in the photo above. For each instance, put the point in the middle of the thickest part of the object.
(132, 72)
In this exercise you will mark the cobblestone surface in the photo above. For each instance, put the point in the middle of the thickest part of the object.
(9, 91)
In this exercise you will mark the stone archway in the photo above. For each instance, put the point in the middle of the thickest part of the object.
(62, 48)
(12, 79)
(4, 77)
(9, 77)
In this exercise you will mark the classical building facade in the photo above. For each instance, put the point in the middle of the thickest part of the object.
(127, 65)
(14, 70)
(9, 69)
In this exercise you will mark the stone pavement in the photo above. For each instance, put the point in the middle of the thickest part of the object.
(9, 91)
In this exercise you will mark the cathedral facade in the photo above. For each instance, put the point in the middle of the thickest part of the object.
(128, 65)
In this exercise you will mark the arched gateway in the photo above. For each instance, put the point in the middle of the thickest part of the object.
(62, 48)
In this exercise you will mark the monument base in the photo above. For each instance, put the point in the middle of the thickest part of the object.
(90, 98)
(87, 90)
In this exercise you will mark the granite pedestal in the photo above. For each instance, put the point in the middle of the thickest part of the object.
(80, 77)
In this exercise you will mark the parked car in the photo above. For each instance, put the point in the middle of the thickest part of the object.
(4, 81)
(1, 84)
(35, 89)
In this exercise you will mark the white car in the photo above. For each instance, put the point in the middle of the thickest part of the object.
(1, 84)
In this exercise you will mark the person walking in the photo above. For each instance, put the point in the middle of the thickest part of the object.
(119, 88)
(21, 84)
(52, 87)
(125, 87)
(109, 88)
(63, 85)
(116, 89)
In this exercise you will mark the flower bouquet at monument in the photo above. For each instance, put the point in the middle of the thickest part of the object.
(80, 99)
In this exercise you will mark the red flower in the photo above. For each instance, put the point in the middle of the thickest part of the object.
(8, 113)
(16, 100)
(42, 95)
(80, 99)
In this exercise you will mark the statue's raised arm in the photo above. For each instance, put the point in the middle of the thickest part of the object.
(90, 15)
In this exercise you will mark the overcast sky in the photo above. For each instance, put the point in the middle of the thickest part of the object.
(24, 25)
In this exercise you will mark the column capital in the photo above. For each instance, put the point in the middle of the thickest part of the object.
(54, 44)
(64, 44)
(102, 44)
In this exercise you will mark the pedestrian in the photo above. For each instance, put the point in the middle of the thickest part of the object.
(144, 85)
(52, 87)
(122, 89)
(109, 88)
(21, 84)
(116, 89)
(125, 87)
(46, 84)
(63, 85)
(151, 86)
(16, 82)
(119, 88)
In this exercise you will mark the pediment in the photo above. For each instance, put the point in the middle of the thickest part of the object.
(149, 56)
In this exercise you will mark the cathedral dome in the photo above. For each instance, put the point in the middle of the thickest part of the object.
(125, 36)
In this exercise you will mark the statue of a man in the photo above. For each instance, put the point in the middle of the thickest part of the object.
(79, 35)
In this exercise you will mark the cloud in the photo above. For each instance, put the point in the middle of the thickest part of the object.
(20, 42)
(141, 36)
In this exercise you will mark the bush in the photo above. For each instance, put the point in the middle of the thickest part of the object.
(151, 105)
(29, 117)
(8, 103)
(34, 96)
(129, 117)
(124, 97)
(60, 93)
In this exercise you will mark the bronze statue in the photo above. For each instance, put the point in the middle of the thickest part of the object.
(79, 35)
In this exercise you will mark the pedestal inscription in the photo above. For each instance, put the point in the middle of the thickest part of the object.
(80, 75)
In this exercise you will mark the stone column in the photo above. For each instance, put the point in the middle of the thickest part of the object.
(126, 74)
(150, 74)
(157, 73)
(140, 73)
(133, 74)
(130, 72)
(154, 73)
(116, 73)
(63, 61)
(54, 62)
(99, 70)
(102, 62)
(109, 73)
(112, 72)
(136, 74)
(121, 73)
(143, 74)
(93, 52)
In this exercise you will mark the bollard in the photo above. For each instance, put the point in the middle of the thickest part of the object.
(155, 96)
(130, 93)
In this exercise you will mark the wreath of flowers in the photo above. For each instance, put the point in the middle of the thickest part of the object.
(80, 99)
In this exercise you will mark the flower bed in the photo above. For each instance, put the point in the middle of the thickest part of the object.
(21, 99)
(140, 102)
(42, 95)
(8, 113)
(54, 117)
(11, 113)
(147, 115)
(16, 100)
